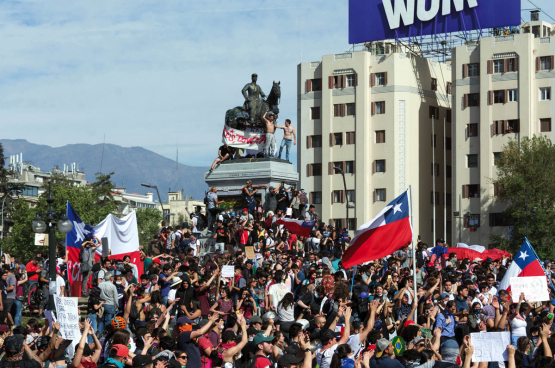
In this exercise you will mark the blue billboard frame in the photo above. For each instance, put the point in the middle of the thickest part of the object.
(368, 20)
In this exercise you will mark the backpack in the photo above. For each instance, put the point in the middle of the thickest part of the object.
(206, 199)
(226, 218)
(249, 363)
(360, 304)
(200, 223)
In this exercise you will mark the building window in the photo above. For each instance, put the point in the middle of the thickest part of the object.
(316, 197)
(350, 196)
(511, 65)
(434, 140)
(473, 70)
(380, 107)
(513, 126)
(506, 126)
(435, 169)
(338, 223)
(379, 195)
(339, 110)
(350, 137)
(512, 95)
(473, 99)
(499, 96)
(472, 130)
(313, 85)
(351, 80)
(434, 84)
(545, 125)
(381, 79)
(448, 143)
(448, 88)
(448, 171)
(447, 201)
(315, 112)
(436, 198)
(349, 167)
(471, 161)
(434, 112)
(338, 196)
(545, 94)
(496, 158)
(380, 136)
(30, 191)
(472, 221)
(314, 170)
(379, 166)
(350, 109)
(545, 63)
(314, 141)
(471, 191)
(498, 66)
(497, 219)
(352, 224)
(338, 139)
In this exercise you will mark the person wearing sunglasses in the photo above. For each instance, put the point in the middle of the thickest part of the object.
(181, 358)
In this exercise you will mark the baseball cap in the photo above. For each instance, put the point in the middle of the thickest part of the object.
(142, 361)
(261, 337)
(440, 241)
(443, 296)
(381, 345)
(287, 359)
(228, 335)
(255, 319)
(272, 188)
(13, 344)
(157, 260)
(409, 322)
(4, 328)
(417, 339)
(182, 320)
(252, 331)
(119, 350)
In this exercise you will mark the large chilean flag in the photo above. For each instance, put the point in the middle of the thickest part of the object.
(297, 227)
(525, 263)
(383, 235)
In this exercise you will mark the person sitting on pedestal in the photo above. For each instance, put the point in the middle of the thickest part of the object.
(224, 153)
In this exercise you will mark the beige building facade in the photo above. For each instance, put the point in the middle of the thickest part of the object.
(502, 89)
(370, 113)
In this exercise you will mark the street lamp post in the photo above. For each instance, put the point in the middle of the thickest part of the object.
(39, 226)
(17, 192)
(158, 193)
(346, 198)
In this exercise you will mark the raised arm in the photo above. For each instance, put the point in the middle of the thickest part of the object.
(230, 353)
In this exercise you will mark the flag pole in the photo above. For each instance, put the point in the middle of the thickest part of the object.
(413, 250)
(541, 264)
(353, 279)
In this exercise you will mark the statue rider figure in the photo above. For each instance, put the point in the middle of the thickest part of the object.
(251, 93)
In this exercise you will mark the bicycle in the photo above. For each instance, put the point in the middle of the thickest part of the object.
(34, 298)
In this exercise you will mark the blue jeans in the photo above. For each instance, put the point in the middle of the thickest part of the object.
(92, 317)
(18, 307)
(165, 300)
(109, 313)
(287, 144)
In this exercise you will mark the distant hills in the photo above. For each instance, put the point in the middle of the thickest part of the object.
(132, 166)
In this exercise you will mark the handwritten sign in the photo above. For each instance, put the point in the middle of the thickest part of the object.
(228, 271)
(249, 251)
(68, 317)
(250, 138)
(490, 346)
(533, 287)
(289, 212)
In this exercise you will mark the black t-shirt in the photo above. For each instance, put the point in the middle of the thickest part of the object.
(221, 235)
(187, 345)
(30, 363)
(307, 300)
(224, 151)
(282, 204)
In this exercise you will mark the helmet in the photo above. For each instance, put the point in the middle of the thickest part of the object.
(118, 323)
(269, 315)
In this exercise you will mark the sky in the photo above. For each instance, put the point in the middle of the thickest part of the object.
(156, 74)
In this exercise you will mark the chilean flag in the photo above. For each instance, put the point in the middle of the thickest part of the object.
(525, 263)
(297, 227)
(381, 236)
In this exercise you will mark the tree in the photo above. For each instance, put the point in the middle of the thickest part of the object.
(92, 202)
(148, 224)
(525, 175)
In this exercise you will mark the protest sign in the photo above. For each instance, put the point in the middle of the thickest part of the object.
(105, 247)
(534, 288)
(49, 317)
(228, 271)
(490, 346)
(41, 239)
(68, 317)
(289, 212)
(249, 251)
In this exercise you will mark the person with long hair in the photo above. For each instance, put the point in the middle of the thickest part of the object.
(523, 347)
(193, 311)
(246, 304)
(224, 305)
(279, 345)
(156, 302)
(21, 279)
(343, 357)
(517, 319)
(85, 357)
(388, 320)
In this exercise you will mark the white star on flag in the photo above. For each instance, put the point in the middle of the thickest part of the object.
(523, 255)
(397, 208)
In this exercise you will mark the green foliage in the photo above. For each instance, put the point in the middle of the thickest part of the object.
(528, 169)
(92, 202)
(148, 224)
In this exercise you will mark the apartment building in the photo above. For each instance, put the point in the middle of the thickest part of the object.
(370, 114)
(502, 89)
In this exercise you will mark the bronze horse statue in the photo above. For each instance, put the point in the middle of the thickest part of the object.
(238, 117)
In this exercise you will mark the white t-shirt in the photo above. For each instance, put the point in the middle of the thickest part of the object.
(59, 284)
(193, 245)
(323, 358)
(354, 343)
(171, 294)
(194, 221)
(278, 291)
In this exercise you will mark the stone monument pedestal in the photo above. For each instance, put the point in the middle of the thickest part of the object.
(231, 176)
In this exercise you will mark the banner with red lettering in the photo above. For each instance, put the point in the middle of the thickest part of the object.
(250, 138)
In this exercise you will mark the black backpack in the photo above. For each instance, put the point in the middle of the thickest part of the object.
(249, 363)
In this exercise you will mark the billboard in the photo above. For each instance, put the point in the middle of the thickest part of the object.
(374, 20)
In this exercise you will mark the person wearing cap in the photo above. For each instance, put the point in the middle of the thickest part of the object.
(270, 201)
(384, 355)
(263, 348)
(118, 356)
(329, 342)
(185, 336)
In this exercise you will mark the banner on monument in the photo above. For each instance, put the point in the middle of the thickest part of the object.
(534, 288)
(250, 138)
(68, 317)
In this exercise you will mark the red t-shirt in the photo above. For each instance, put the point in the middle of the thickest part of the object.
(30, 267)
(204, 343)
(262, 362)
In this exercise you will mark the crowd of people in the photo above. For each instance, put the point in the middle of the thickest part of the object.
(290, 303)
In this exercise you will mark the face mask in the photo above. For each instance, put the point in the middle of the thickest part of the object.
(454, 259)
(118, 282)
(221, 327)
(535, 340)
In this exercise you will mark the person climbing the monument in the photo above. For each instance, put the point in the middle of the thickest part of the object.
(288, 131)
(270, 148)
(224, 153)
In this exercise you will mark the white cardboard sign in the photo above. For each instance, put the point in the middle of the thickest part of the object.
(228, 271)
(490, 346)
(534, 288)
(68, 317)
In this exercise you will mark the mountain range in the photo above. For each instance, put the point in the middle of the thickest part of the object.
(131, 165)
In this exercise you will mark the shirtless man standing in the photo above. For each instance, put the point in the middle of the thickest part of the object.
(270, 137)
(286, 141)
